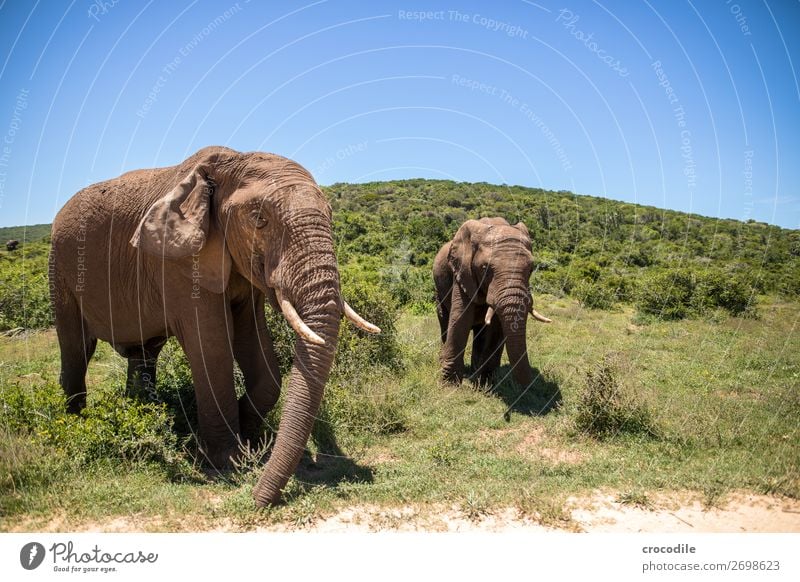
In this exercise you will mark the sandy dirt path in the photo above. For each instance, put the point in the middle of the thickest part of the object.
(602, 512)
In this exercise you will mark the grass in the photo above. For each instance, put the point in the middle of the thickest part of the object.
(723, 394)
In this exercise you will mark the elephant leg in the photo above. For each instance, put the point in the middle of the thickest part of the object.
(77, 347)
(204, 330)
(254, 352)
(443, 314)
(478, 345)
(458, 328)
(443, 282)
(492, 352)
(141, 383)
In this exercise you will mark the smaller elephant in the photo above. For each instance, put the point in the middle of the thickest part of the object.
(12, 245)
(481, 280)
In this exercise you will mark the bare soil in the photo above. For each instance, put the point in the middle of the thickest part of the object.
(601, 512)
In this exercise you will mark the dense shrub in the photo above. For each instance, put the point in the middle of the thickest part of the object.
(357, 350)
(558, 282)
(667, 295)
(24, 288)
(679, 293)
(365, 406)
(726, 290)
(111, 427)
(594, 295)
(608, 407)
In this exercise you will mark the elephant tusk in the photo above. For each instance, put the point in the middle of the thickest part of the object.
(359, 321)
(296, 322)
(489, 315)
(539, 317)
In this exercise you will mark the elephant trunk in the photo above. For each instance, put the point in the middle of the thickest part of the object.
(512, 309)
(311, 283)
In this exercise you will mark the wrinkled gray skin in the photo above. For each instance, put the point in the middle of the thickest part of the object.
(488, 263)
(193, 251)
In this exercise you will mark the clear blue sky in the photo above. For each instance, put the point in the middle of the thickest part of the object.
(692, 106)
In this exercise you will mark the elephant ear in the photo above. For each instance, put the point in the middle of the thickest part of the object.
(520, 226)
(180, 227)
(461, 251)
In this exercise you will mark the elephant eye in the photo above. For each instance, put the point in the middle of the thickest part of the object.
(261, 221)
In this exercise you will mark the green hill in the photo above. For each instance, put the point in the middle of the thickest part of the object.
(602, 252)
(24, 234)
(594, 248)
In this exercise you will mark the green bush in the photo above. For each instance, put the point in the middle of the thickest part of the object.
(366, 406)
(358, 351)
(411, 287)
(667, 294)
(111, 427)
(558, 282)
(594, 295)
(608, 407)
(725, 290)
(24, 289)
(680, 293)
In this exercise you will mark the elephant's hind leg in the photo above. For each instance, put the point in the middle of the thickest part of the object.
(491, 352)
(254, 352)
(478, 346)
(77, 346)
(142, 360)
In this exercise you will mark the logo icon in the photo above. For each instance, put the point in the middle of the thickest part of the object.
(31, 555)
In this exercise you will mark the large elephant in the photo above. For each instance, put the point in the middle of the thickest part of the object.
(193, 251)
(481, 280)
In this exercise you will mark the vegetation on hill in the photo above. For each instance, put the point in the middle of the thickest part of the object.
(604, 253)
(23, 234)
(599, 251)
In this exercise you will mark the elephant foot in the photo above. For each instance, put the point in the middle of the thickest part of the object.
(76, 403)
(255, 435)
(221, 460)
(452, 377)
(484, 381)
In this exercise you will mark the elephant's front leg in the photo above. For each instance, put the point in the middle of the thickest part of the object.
(458, 328)
(255, 355)
(204, 332)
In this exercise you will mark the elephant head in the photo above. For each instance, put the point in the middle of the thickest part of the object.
(492, 263)
(263, 216)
